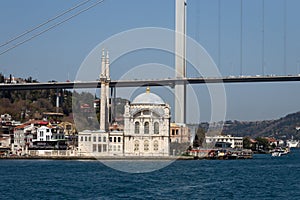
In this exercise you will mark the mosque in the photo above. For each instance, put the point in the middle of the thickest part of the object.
(146, 126)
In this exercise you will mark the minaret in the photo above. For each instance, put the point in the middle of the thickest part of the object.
(103, 94)
(107, 89)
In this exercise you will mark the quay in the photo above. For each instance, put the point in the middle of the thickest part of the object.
(166, 158)
(195, 154)
(221, 154)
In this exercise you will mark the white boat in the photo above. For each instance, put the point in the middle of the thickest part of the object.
(292, 143)
(280, 151)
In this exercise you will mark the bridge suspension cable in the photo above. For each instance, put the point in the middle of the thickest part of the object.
(44, 23)
(263, 38)
(219, 33)
(49, 28)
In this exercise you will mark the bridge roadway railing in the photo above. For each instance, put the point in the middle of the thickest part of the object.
(137, 83)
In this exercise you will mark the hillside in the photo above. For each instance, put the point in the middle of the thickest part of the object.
(283, 128)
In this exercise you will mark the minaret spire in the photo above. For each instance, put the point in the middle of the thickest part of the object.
(103, 95)
(107, 89)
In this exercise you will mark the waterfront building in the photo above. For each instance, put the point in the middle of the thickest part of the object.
(146, 129)
(4, 143)
(116, 140)
(235, 142)
(93, 143)
(179, 133)
(70, 134)
(147, 126)
(23, 137)
(49, 133)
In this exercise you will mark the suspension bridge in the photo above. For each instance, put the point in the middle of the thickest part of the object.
(180, 80)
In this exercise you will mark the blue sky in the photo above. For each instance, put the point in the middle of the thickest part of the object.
(58, 54)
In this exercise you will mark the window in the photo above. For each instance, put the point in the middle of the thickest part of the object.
(146, 112)
(104, 148)
(156, 128)
(89, 138)
(119, 147)
(115, 139)
(110, 139)
(99, 148)
(146, 128)
(81, 138)
(155, 145)
(47, 137)
(94, 147)
(119, 139)
(136, 127)
(104, 139)
(47, 130)
(99, 139)
(41, 134)
(146, 145)
(94, 139)
(85, 138)
(115, 148)
(136, 146)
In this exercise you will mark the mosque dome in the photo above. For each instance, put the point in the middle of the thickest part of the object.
(148, 98)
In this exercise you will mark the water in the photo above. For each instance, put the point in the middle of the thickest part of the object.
(260, 178)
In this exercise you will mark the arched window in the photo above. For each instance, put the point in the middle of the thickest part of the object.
(136, 145)
(146, 145)
(155, 146)
(156, 128)
(136, 127)
(146, 128)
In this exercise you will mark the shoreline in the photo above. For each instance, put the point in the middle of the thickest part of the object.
(119, 158)
(166, 158)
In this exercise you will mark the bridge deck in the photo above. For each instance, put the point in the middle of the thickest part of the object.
(137, 83)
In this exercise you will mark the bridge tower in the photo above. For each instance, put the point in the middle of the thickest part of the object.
(180, 60)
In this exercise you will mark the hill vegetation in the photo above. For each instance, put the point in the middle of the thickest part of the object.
(283, 128)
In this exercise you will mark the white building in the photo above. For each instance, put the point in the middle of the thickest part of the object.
(45, 133)
(147, 126)
(93, 143)
(23, 136)
(236, 142)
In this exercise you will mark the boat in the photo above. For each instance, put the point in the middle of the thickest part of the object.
(280, 151)
(292, 143)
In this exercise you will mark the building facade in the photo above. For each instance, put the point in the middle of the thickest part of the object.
(180, 133)
(235, 142)
(147, 126)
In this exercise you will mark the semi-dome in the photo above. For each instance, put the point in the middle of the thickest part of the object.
(148, 98)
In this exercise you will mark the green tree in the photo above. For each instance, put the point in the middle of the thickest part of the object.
(263, 143)
(199, 138)
(246, 143)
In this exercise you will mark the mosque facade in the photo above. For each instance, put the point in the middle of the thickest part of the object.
(146, 126)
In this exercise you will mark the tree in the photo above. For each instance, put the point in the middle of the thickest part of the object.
(199, 138)
(246, 143)
(263, 143)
